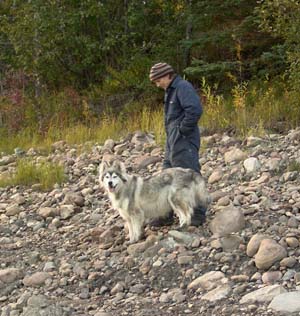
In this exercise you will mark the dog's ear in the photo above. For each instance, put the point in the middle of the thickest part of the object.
(119, 166)
(104, 165)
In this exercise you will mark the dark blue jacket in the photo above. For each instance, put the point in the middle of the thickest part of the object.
(183, 110)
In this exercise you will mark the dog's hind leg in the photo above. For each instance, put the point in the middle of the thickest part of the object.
(182, 210)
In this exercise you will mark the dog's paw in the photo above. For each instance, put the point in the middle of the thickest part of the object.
(129, 243)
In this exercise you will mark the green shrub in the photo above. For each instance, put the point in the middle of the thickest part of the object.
(27, 173)
(294, 166)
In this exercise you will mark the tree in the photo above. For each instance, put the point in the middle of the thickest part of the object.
(227, 42)
(64, 42)
(281, 18)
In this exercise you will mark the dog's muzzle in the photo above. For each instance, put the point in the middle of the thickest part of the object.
(111, 186)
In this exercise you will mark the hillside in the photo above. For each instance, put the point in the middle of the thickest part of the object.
(63, 252)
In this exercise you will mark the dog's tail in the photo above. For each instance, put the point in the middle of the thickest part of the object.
(203, 196)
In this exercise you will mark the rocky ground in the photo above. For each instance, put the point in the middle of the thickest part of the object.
(63, 252)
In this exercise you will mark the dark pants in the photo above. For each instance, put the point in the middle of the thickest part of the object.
(181, 152)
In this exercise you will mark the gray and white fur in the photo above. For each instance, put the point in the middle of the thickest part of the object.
(139, 200)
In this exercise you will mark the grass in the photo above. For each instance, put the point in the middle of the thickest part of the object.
(27, 173)
(249, 110)
(109, 127)
(294, 166)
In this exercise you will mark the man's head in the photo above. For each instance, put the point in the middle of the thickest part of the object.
(161, 74)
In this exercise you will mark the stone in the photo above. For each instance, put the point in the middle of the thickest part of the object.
(208, 281)
(227, 221)
(144, 161)
(234, 155)
(36, 279)
(240, 278)
(229, 243)
(47, 212)
(273, 164)
(271, 277)
(288, 262)
(252, 141)
(87, 255)
(254, 244)
(39, 305)
(183, 260)
(138, 248)
(181, 237)
(109, 144)
(219, 293)
(49, 266)
(13, 210)
(252, 165)
(292, 242)
(215, 177)
(6, 160)
(268, 253)
(66, 211)
(18, 199)
(263, 295)
(10, 275)
(286, 302)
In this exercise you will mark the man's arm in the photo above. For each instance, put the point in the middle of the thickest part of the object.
(190, 102)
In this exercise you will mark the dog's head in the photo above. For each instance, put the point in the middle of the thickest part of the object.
(112, 175)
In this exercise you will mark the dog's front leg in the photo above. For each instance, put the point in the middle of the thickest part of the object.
(137, 226)
(130, 231)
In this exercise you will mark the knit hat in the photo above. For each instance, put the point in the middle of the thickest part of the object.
(160, 70)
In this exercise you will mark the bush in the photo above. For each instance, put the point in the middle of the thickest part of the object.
(27, 173)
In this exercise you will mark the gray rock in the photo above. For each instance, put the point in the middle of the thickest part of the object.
(215, 177)
(13, 210)
(219, 293)
(66, 211)
(254, 244)
(9, 275)
(286, 302)
(271, 277)
(41, 306)
(268, 253)
(36, 279)
(6, 160)
(47, 212)
(208, 281)
(138, 248)
(228, 221)
(234, 155)
(252, 165)
(181, 237)
(263, 295)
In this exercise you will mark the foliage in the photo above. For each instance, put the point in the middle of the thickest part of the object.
(79, 44)
(78, 70)
(294, 165)
(27, 173)
(227, 43)
(282, 19)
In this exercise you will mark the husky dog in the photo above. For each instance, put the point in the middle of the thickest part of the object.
(139, 200)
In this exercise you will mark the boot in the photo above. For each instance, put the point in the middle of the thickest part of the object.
(199, 217)
(163, 221)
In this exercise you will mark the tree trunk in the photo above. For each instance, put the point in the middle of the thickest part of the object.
(188, 34)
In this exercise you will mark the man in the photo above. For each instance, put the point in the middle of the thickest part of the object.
(182, 111)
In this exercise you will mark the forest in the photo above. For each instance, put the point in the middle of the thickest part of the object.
(66, 63)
